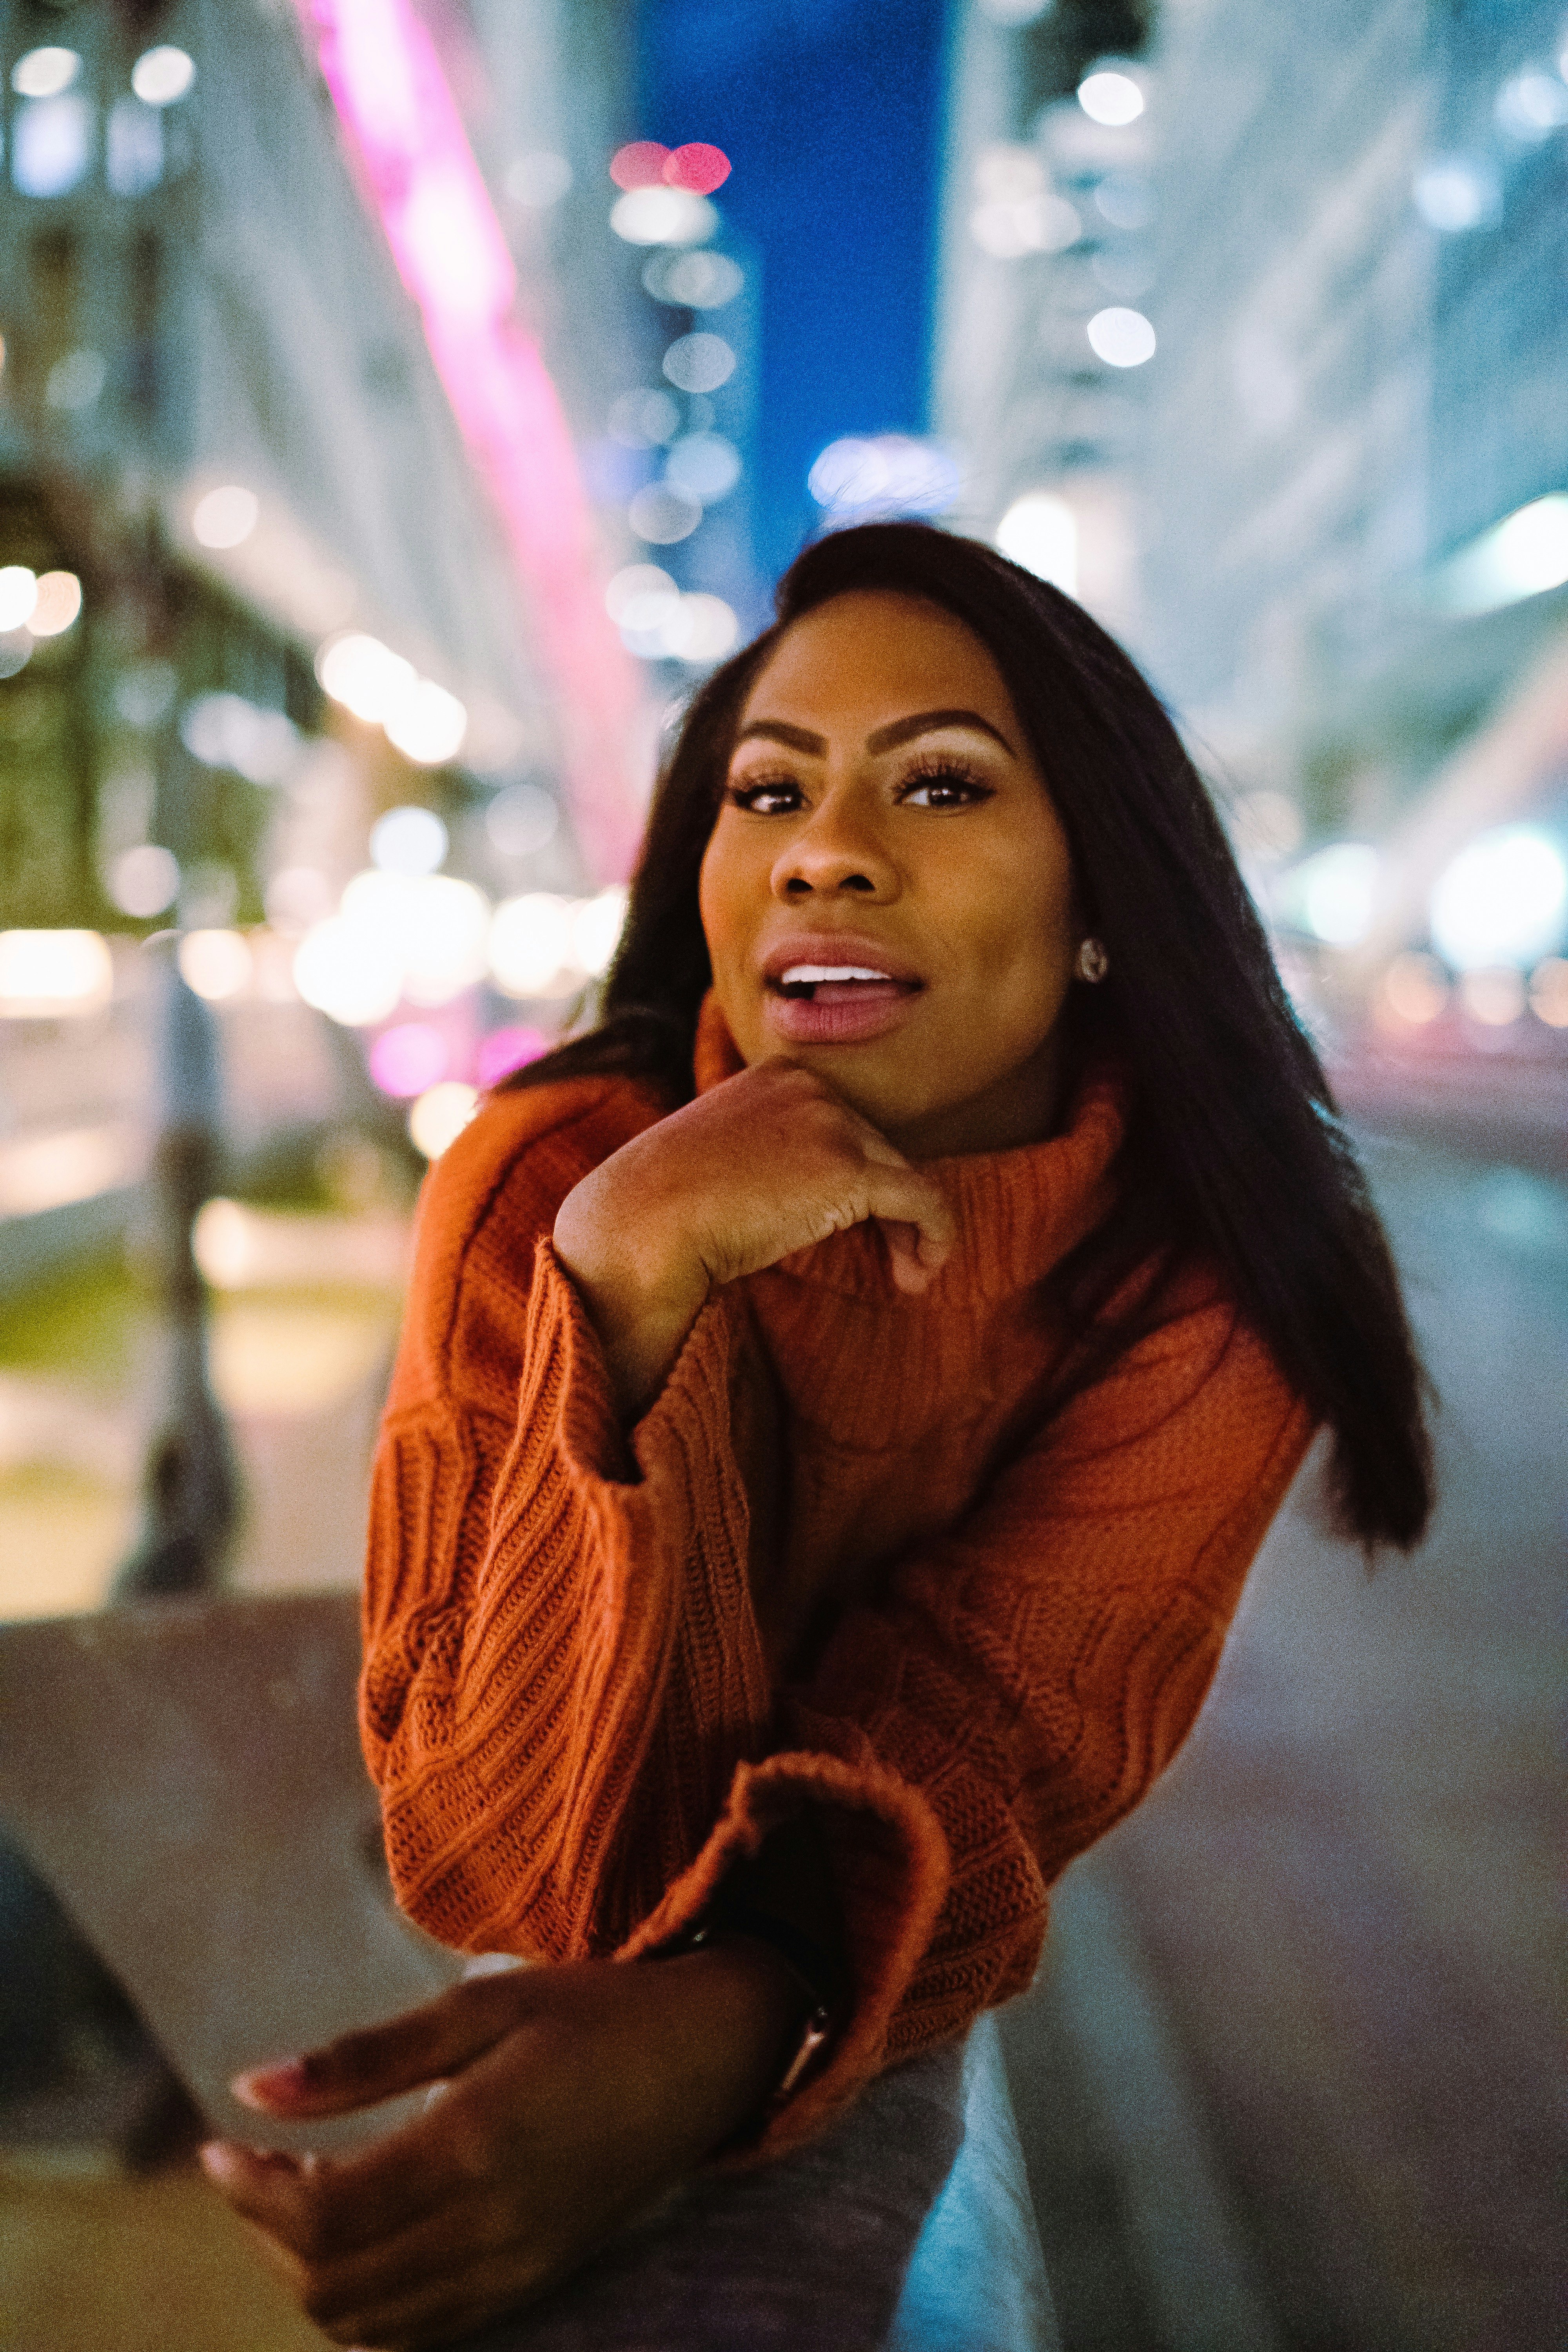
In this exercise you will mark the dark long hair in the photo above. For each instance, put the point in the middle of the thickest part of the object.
(1235, 1150)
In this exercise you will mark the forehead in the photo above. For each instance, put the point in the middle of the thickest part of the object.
(874, 657)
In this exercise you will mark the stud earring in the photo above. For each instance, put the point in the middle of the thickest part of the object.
(1093, 963)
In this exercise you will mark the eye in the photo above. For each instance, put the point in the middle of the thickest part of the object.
(942, 784)
(766, 796)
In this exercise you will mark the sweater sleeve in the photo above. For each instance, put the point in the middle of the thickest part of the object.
(1018, 1687)
(562, 1669)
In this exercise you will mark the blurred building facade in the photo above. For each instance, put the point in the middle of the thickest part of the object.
(1253, 338)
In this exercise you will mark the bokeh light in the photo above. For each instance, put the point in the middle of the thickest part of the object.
(225, 730)
(426, 724)
(645, 419)
(1456, 193)
(215, 964)
(531, 946)
(1110, 99)
(162, 76)
(1338, 889)
(702, 465)
(634, 582)
(225, 517)
(697, 166)
(51, 144)
(1039, 530)
(408, 841)
(1530, 106)
(1493, 995)
(662, 516)
(1416, 987)
(1121, 338)
(1502, 900)
(639, 164)
(51, 975)
(596, 928)
(18, 595)
(143, 881)
(693, 281)
(297, 896)
(537, 179)
(663, 215)
(366, 677)
(57, 604)
(522, 820)
(699, 362)
(1549, 991)
(44, 73)
(1524, 555)
(347, 972)
(441, 1115)
(509, 1049)
(408, 1058)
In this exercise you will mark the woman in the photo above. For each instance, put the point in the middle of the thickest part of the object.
(840, 1398)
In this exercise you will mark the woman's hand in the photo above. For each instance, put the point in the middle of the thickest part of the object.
(768, 1162)
(574, 2097)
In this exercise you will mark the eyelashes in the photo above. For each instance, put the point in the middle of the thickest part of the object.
(938, 771)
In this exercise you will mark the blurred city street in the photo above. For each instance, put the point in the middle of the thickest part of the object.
(404, 406)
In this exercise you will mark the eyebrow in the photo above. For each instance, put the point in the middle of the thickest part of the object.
(885, 739)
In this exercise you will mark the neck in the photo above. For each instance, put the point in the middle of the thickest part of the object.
(1024, 1106)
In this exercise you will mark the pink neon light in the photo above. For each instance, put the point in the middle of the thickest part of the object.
(406, 135)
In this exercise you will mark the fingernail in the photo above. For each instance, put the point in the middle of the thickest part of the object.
(278, 2080)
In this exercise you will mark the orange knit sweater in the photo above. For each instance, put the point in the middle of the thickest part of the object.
(841, 1560)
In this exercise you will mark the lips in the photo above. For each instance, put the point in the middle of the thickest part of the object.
(837, 988)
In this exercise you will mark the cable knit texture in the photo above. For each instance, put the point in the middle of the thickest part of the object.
(843, 1557)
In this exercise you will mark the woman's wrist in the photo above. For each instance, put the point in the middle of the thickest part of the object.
(640, 1299)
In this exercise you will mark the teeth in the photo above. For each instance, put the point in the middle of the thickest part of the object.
(808, 975)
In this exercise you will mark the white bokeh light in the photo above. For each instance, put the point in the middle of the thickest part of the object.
(596, 928)
(408, 841)
(659, 216)
(441, 1115)
(44, 73)
(143, 881)
(1121, 338)
(1338, 890)
(225, 517)
(1110, 99)
(18, 595)
(215, 964)
(425, 724)
(51, 974)
(348, 974)
(366, 677)
(1039, 530)
(161, 76)
(1502, 900)
(58, 604)
(532, 948)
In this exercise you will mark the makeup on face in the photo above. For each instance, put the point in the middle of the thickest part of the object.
(886, 890)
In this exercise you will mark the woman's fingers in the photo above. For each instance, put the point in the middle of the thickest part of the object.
(359, 2069)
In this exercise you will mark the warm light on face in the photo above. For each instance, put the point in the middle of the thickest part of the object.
(944, 852)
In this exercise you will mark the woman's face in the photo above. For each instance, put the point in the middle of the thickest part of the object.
(887, 896)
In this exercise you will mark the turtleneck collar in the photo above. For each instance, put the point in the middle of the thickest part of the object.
(1018, 1211)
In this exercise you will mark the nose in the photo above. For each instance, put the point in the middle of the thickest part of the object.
(839, 852)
